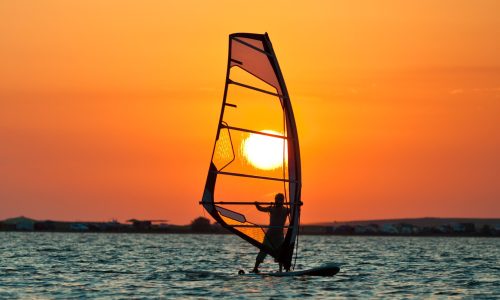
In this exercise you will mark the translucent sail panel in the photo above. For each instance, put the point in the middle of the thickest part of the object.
(251, 154)
(239, 75)
(236, 197)
(243, 192)
(251, 55)
(224, 151)
(252, 109)
(246, 228)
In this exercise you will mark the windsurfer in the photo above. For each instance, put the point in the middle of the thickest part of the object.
(274, 235)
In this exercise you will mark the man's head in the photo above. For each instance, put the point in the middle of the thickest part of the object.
(279, 199)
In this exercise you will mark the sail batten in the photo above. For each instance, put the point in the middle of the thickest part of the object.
(257, 150)
(241, 203)
(259, 226)
(254, 131)
(254, 88)
(252, 46)
(253, 176)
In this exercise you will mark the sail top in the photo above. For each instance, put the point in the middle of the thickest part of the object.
(249, 52)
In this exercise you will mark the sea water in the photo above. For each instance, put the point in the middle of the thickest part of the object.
(121, 266)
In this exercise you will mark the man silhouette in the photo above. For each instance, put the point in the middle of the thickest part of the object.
(274, 235)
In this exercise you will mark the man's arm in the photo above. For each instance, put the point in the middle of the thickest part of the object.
(262, 208)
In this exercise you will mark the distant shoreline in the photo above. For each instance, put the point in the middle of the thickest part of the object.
(418, 227)
(457, 235)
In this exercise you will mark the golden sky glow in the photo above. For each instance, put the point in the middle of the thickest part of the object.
(108, 109)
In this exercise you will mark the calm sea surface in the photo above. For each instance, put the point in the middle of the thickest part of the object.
(87, 265)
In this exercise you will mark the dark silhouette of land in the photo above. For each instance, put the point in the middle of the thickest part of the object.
(397, 227)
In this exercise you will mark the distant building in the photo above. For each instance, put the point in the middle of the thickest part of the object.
(330, 229)
(496, 228)
(469, 227)
(463, 227)
(365, 229)
(45, 225)
(163, 226)
(405, 228)
(372, 228)
(145, 224)
(112, 225)
(311, 229)
(20, 223)
(139, 224)
(78, 227)
(443, 229)
(388, 229)
(457, 227)
(344, 229)
(359, 229)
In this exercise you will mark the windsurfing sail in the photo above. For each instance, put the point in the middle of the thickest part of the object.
(256, 151)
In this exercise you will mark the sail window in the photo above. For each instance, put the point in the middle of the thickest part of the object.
(231, 214)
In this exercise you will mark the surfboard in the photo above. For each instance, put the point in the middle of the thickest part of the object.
(325, 270)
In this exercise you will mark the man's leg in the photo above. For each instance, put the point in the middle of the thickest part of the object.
(258, 261)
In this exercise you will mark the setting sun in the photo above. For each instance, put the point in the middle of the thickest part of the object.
(264, 152)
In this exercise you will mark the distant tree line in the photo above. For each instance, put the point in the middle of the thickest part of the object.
(204, 226)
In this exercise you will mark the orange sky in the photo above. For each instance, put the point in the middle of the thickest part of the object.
(108, 109)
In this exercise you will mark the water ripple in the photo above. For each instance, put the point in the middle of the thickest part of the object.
(66, 265)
